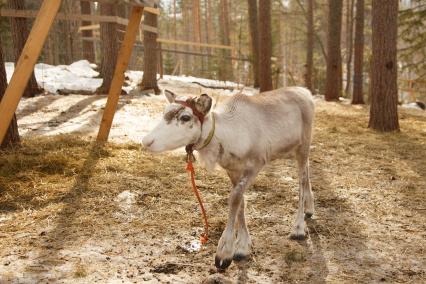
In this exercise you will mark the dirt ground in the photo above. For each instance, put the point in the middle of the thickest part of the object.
(71, 212)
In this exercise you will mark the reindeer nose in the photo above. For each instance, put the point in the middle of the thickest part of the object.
(147, 142)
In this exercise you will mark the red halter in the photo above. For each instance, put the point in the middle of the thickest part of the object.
(198, 114)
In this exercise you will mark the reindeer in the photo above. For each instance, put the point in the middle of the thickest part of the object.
(242, 135)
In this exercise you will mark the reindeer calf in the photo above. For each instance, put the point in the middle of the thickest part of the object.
(242, 135)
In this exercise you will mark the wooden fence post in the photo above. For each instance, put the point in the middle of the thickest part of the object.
(118, 79)
(26, 62)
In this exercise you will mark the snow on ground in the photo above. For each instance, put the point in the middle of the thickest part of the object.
(81, 77)
(78, 76)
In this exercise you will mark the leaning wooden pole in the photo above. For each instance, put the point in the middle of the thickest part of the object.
(26, 62)
(118, 79)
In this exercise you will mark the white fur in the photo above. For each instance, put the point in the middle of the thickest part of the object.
(250, 131)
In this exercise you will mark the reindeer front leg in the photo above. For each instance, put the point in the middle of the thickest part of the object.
(226, 246)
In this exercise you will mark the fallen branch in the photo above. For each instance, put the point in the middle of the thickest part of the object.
(214, 87)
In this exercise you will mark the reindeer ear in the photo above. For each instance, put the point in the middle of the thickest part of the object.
(171, 97)
(203, 104)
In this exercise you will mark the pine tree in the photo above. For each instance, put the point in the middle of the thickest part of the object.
(265, 46)
(384, 73)
(310, 46)
(12, 134)
(254, 36)
(20, 34)
(357, 96)
(150, 55)
(333, 87)
(109, 46)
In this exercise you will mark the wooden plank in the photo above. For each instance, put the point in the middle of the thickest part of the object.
(97, 27)
(118, 79)
(139, 3)
(26, 62)
(89, 28)
(61, 16)
(75, 17)
(181, 42)
(152, 10)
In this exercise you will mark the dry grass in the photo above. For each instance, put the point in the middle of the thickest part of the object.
(60, 219)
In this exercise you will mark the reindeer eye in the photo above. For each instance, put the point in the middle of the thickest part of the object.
(185, 118)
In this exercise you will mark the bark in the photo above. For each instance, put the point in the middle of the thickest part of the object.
(88, 46)
(211, 35)
(333, 87)
(12, 134)
(109, 45)
(357, 96)
(310, 46)
(196, 23)
(196, 17)
(20, 34)
(265, 46)
(225, 68)
(384, 69)
(349, 44)
(150, 55)
(186, 17)
(254, 36)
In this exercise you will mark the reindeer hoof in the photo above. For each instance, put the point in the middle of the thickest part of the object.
(308, 215)
(240, 257)
(222, 264)
(297, 237)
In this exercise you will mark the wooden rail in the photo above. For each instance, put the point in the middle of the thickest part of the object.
(192, 43)
(97, 27)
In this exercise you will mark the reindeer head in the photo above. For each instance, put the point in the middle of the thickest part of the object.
(181, 123)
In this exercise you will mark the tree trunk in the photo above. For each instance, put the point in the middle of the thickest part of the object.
(265, 46)
(349, 44)
(20, 34)
(254, 36)
(211, 35)
(357, 96)
(109, 45)
(310, 46)
(12, 134)
(187, 32)
(150, 55)
(225, 68)
(88, 46)
(333, 87)
(384, 69)
(196, 21)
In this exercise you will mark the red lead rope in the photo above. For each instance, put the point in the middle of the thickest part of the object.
(190, 168)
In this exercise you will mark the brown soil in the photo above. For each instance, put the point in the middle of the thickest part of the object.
(65, 219)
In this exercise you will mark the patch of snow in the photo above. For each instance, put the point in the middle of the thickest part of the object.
(411, 106)
(126, 198)
(78, 77)
(5, 218)
(345, 100)
(10, 67)
(287, 178)
(206, 82)
(83, 68)
(126, 201)
(192, 246)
